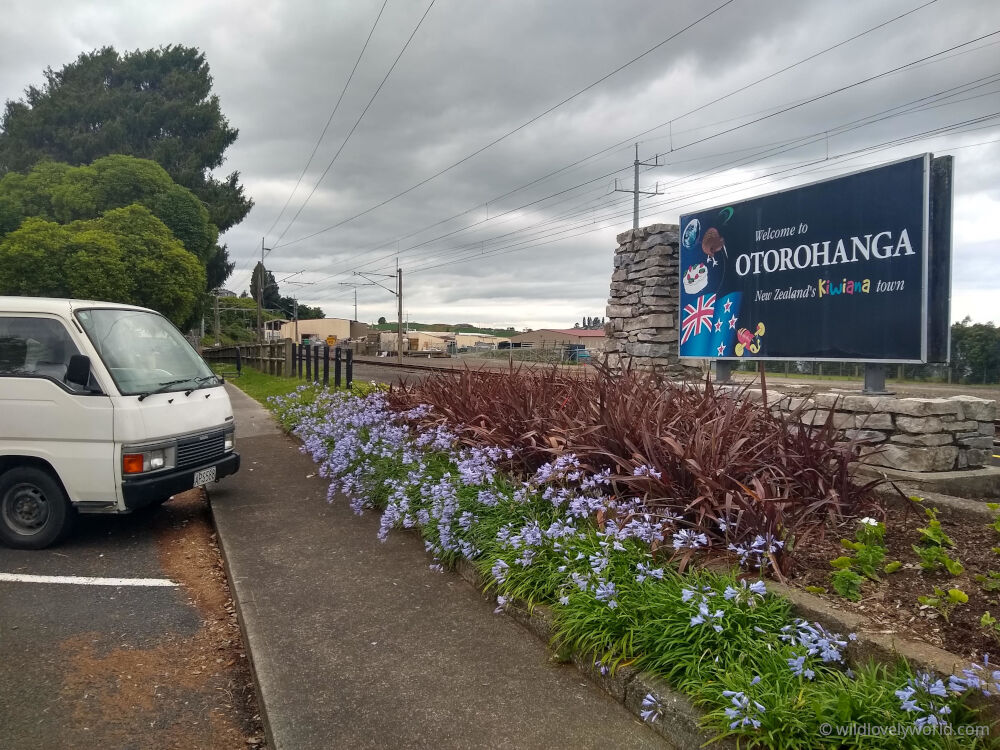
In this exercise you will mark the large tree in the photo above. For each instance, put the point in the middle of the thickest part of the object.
(155, 104)
(63, 194)
(125, 255)
(119, 229)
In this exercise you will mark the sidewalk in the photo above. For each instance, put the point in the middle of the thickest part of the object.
(358, 644)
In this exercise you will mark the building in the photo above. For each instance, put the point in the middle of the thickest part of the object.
(475, 340)
(550, 338)
(317, 330)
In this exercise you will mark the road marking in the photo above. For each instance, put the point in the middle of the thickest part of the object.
(86, 580)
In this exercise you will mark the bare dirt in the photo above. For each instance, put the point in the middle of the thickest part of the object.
(184, 691)
(891, 604)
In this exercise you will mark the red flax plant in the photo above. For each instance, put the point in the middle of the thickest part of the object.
(724, 463)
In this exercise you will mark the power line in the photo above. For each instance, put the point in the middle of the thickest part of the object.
(520, 127)
(773, 149)
(356, 123)
(678, 200)
(328, 121)
(620, 143)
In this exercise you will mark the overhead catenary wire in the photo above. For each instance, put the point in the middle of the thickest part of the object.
(637, 136)
(773, 149)
(520, 127)
(355, 126)
(329, 120)
(685, 114)
(743, 182)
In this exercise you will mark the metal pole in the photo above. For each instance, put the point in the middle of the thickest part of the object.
(218, 332)
(315, 353)
(336, 367)
(635, 208)
(260, 294)
(326, 365)
(874, 380)
(350, 367)
(309, 372)
(399, 315)
(295, 306)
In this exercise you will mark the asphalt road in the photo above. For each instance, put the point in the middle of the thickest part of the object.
(124, 666)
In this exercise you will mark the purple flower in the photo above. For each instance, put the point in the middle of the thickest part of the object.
(688, 539)
(646, 471)
(606, 593)
(652, 709)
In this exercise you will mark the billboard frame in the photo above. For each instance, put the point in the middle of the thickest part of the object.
(927, 159)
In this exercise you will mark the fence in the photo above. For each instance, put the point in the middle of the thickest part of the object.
(286, 359)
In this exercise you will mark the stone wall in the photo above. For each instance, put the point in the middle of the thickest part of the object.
(910, 434)
(643, 304)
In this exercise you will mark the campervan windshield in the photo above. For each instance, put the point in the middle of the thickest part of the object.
(143, 352)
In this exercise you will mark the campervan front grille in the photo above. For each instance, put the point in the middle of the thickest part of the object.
(201, 449)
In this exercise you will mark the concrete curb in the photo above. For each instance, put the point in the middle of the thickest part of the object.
(680, 724)
(251, 641)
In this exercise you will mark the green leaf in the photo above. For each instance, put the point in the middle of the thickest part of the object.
(953, 566)
(958, 596)
(815, 589)
(893, 566)
(842, 563)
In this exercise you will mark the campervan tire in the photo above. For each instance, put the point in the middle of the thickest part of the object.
(34, 510)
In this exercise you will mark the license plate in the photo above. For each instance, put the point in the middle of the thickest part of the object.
(204, 476)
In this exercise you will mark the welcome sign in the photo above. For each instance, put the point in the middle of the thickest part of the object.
(833, 270)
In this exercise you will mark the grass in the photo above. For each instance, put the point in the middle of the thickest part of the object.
(258, 385)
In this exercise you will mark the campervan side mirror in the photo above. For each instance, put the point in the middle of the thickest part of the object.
(78, 370)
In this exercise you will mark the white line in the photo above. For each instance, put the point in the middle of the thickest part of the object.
(86, 580)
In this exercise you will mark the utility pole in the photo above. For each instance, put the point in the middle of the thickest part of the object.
(349, 283)
(398, 291)
(399, 316)
(217, 327)
(260, 294)
(295, 316)
(635, 188)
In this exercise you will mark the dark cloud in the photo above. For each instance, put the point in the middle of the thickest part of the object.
(477, 70)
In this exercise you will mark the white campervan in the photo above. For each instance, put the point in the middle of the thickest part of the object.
(104, 408)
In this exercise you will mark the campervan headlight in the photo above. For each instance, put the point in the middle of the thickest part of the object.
(142, 460)
(230, 440)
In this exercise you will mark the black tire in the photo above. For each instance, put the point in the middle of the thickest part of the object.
(34, 510)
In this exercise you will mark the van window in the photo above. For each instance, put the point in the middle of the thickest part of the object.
(38, 347)
(143, 351)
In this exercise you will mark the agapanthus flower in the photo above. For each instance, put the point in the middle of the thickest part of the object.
(744, 593)
(744, 711)
(652, 709)
(797, 665)
(982, 677)
(688, 539)
(918, 697)
(646, 471)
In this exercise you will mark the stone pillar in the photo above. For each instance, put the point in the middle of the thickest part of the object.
(642, 326)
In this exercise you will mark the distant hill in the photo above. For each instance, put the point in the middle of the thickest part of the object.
(464, 327)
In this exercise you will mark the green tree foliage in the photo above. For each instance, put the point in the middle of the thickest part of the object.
(119, 229)
(125, 255)
(61, 193)
(155, 104)
(305, 311)
(271, 298)
(975, 351)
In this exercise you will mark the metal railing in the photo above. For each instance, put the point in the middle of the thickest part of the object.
(290, 360)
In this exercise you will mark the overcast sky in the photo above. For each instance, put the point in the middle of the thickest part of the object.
(476, 70)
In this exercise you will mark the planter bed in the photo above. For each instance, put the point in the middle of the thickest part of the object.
(622, 583)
